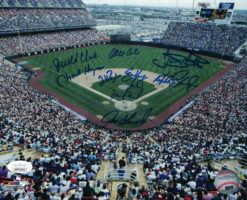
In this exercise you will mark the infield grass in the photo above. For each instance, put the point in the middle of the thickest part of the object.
(113, 89)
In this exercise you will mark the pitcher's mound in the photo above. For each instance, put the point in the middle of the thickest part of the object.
(123, 87)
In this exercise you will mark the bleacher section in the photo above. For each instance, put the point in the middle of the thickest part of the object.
(42, 3)
(221, 39)
(12, 45)
(14, 19)
(37, 25)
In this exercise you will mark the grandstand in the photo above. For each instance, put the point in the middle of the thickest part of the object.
(220, 39)
(21, 16)
(41, 4)
(26, 26)
(76, 159)
(28, 19)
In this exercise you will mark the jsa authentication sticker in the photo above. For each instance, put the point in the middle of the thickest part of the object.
(20, 167)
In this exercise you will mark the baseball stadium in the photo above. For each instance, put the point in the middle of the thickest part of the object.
(89, 116)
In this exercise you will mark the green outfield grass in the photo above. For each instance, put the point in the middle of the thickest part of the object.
(186, 72)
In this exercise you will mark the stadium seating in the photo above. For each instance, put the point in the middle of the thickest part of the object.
(221, 39)
(42, 3)
(26, 19)
(12, 45)
(170, 165)
(37, 15)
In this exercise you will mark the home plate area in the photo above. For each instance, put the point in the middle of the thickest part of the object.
(125, 105)
(89, 79)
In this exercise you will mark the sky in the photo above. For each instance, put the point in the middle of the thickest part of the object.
(240, 4)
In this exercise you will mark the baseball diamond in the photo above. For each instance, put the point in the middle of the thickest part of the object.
(135, 82)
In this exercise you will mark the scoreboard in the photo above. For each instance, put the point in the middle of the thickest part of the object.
(221, 13)
(212, 14)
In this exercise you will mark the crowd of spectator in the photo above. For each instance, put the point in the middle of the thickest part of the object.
(223, 39)
(23, 19)
(222, 108)
(76, 147)
(169, 154)
(42, 3)
(46, 15)
(13, 45)
(75, 150)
